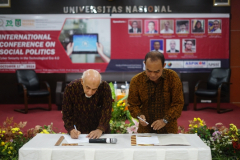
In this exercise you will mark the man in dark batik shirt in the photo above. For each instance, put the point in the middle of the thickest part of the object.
(87, 103)
(156, 96)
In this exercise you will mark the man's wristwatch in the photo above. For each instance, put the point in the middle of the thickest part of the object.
(165, 121)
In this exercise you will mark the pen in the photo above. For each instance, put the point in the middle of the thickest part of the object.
(75, 127)
(142, 120)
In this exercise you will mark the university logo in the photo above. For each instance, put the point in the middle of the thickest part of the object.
(214, 64)
(17, 22)
(9, 23)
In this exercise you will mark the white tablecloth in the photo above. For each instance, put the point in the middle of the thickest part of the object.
(41, 147)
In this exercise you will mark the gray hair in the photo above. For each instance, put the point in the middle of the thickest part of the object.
(85, 73)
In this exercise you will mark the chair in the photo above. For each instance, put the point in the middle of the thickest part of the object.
(29, 86)
(217, 87)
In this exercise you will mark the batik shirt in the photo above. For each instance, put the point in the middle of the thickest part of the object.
(87, 114)
(161, 100)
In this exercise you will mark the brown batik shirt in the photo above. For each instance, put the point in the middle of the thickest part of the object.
(87, 114)
(162, 100)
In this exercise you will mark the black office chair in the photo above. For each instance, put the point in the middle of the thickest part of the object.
(217, 86)
(29, 86)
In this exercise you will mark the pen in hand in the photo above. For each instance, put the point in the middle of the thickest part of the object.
(75, 133)
(75, 128)
(142, 120)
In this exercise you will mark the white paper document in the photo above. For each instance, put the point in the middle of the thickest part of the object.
(147, 140)
(163, 140)
(81, 139)
(173, 140)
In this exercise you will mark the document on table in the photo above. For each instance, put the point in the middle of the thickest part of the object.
(173, 140)
(81, 138)
(163, 140)
(147, 140)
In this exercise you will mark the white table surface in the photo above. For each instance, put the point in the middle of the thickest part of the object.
(41, 147)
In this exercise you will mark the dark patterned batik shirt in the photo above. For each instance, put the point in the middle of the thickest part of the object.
(87, 114)
(162, 100)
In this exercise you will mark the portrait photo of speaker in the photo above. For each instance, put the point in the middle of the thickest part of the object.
(198, 26)
(214, 26)
(173, 45)
(156, 45)
(151, 26)
(182, 26)
(135, 26)
(166, 26)
(189, 45)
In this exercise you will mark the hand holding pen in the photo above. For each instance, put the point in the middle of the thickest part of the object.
(142, 120)
(74, 133)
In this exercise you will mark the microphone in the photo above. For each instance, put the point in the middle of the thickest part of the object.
(103, 140)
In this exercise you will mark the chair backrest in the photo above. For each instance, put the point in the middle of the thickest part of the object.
(29, 79)
(218, 76)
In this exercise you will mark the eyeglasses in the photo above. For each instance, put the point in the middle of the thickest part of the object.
(215, 23)
(189, 43)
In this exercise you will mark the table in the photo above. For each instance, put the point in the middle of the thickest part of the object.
(41, 147)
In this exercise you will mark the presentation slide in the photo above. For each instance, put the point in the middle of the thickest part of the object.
(189, 42)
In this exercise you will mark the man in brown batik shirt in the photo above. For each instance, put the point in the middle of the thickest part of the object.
(87, 104)
(156, 96)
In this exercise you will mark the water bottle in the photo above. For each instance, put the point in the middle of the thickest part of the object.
(115, 89)
(127, 87)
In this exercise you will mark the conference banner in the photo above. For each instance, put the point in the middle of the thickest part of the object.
(62, 43)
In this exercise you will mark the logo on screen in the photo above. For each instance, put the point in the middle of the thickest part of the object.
(169, 64)
(9, 23)
(214, 64)
(17, 22)
(196, 63)
(202, 63)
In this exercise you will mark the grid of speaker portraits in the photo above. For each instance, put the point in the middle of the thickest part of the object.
(168, 27)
